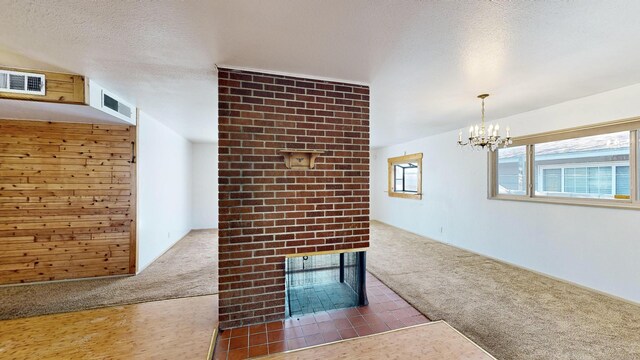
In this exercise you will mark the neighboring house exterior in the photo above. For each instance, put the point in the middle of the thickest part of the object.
(592, 167)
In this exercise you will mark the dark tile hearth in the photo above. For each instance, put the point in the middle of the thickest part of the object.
(322, 297)
(386, 311)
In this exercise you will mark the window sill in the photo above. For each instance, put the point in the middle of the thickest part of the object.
(614, 204)
(406, 195)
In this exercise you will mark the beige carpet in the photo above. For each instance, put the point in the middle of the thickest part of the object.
(189, 268)
(510, 312)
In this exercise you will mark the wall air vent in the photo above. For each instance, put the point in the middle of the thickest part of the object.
(22, 83)
(115, 105)
(104, 100)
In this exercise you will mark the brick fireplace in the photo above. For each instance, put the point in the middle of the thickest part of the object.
(269, 211)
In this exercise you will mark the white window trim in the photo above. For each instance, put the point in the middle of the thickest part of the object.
(632, 125)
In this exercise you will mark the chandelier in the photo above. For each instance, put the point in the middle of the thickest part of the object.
(481, 137)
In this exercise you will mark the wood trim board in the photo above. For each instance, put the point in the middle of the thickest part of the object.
(431, 341)
(133, 245)
(59, 88)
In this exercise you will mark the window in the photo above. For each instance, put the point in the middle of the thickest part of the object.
(551, 180)
(584, 167)
(512, 170)
(595, 165)
(623, 183)
(405, 176)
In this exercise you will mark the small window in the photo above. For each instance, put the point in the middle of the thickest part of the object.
(552, 180)
(623, 181)
(405, 176)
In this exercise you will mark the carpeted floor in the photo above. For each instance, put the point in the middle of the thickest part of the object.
(189, 268)
(510, 312)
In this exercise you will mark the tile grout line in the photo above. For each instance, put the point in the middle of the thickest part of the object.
(387, 311)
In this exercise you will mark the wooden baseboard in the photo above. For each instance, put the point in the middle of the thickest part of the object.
(212, 345)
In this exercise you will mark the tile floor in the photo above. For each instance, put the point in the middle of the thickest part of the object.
(315, 298)
(386, 311)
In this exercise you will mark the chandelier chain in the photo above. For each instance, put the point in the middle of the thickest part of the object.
(483, 115)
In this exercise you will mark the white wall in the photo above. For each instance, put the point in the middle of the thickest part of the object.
(594, 247)
(164, 189)
(204, 186)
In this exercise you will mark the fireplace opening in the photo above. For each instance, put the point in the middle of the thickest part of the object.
(323, 282)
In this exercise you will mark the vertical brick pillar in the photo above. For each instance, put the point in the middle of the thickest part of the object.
(268, 211)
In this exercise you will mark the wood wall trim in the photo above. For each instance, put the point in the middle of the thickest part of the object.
(60, 88)
(133, 244)
(67, 201)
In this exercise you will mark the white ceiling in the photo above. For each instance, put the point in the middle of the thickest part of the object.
(425, 60)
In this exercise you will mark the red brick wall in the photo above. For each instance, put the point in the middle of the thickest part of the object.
(267, 210)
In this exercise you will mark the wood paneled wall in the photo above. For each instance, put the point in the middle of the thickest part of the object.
(67, 201)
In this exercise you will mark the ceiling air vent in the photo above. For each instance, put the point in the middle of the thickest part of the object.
(22, 83)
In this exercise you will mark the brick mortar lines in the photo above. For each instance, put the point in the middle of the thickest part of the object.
(264, 114)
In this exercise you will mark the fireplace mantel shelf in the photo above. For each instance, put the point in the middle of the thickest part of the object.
(300, 159)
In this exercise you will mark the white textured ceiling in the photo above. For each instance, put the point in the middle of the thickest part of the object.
(425, 60)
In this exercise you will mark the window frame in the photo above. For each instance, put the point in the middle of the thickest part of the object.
(632, 125)
(391, 162)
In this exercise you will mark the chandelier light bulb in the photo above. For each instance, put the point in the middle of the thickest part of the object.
(483, 137)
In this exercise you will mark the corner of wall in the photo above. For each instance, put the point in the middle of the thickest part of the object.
(204, 184)
(164, 202)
